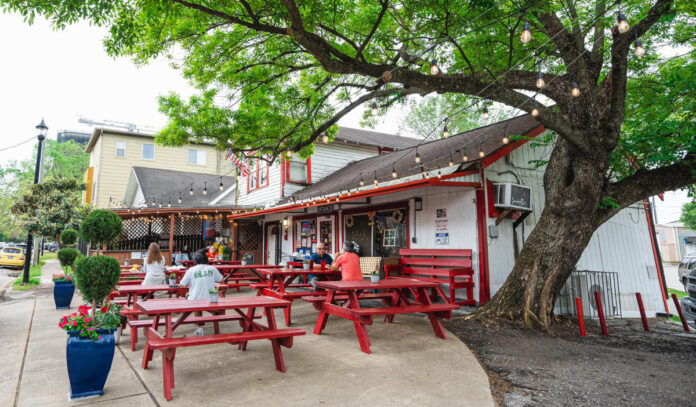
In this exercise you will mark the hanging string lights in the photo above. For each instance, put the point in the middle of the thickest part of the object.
(362, 181)
(169, 204)
(375, 180)
(179, 197)
(451, 162)
(221, 186)
(540, 80)
(325, 138)
(640, 51)
(506, 140)
(575, 91)
(482, 154)
(418, 159)
(621, 19)
(535, 110)
(445, 132)
(205, 188)
(526, 35)
(374, 109)
(485, 113)
(465, 158)
(191, 190)
(434, 69)
(394, 174)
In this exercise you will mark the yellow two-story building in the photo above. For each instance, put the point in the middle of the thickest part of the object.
(113, 154)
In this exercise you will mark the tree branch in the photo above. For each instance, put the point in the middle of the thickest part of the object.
(385, 5)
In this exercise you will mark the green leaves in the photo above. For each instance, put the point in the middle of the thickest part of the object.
(101, 227)
(96, 277)
(688, 216)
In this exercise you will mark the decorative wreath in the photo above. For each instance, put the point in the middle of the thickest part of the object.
(349, 221)
(397, 216)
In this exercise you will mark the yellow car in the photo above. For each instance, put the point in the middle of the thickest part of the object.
(12, 256)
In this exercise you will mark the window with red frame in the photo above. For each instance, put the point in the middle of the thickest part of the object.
(258, 178)
(298, 171)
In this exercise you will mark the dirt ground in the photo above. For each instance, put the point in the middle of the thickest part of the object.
(629, 368)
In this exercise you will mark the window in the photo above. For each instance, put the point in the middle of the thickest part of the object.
(259, 175)
(196, 157)
(148, 151)
(298, 171)
(120, 149)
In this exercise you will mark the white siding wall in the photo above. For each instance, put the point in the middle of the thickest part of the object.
(261, 196)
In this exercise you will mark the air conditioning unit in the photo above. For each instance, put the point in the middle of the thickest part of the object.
(512, 196)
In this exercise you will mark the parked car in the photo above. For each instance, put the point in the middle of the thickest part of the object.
(687, 264)
(12, 257)
(688, 303)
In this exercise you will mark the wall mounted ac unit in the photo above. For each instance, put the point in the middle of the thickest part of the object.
(512, 196)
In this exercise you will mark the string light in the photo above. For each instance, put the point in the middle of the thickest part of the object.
(535, 110)
(485, 113)
(205, 188)
(540, 80)
(506, 140)
(169, 204)
(375, 181)
(160, 204)
(526, 33)
(465, 158)
(640, 51)
(288, 153)
(154, 203)
(179, 197)
(394, 174)
(621, 18)
(221, 187)
(575, 91)
(445, 132)
(434, 69)
(418, 159)
(423, 172)
(439, 174)
(482, 154)
(191, 190)
(362, 181)
(374, 109)
(451, 162)
(325, 138)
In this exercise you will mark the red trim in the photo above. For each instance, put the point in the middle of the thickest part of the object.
(380, 207)
(382, 150)
(309, 170)
(484, 281)
(258, 178)
(510, 147)
(282, 178)
(655, 249)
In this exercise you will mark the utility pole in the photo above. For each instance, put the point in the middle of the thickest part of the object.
(42, 128)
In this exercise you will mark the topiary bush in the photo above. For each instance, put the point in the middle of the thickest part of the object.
(96, 277)
(68, 237)
(67, 257)
(101, 227)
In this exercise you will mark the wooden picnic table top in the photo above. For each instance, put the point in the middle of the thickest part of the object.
(392, 283)
(177, 305)
(295, 271)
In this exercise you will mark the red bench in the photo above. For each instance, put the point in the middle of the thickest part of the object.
(445, 266)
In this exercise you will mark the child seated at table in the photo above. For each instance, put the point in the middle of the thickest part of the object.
(349, 262)
(200, 279)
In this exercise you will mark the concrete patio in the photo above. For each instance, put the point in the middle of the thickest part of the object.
(409, 366)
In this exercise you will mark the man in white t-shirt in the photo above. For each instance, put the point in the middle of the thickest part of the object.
(200, 279)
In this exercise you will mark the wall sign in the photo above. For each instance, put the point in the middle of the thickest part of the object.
(441, 213)
(441, 232)
(325, 209)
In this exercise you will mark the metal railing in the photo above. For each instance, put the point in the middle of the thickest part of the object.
(583, 284)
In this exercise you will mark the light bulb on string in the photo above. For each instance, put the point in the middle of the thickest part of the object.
(418, 159)
(154, 203)
(394, 174)
(221, 186)
(423, 173)
(205, 188)
(445, 132)
(640, 51)
(540, 80)
(482, 154)
(362, 181)
(451, 162)
(434, 69)
(621, 18)
(179, 197)
(160, 204)
(191, 190)
(169, 204)
(465, 158)
(485, 113)
(575, 91)
(325, 138)
(288, 153)
(506, 140)
(374, 109)
(535, 110)
(526, 35)
(375, 180)
(439, 174)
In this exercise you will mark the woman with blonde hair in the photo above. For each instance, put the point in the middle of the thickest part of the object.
(153, 266)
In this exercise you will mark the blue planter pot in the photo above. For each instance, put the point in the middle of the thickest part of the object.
(62, 294)
(89, 363)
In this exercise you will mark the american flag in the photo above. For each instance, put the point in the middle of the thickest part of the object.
(243, 168)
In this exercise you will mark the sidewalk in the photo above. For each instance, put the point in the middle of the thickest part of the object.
(409, 366)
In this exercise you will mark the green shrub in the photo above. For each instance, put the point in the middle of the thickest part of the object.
(101, 227)
(96, 277)
(226, 253)
(67, 257)
(68, 237)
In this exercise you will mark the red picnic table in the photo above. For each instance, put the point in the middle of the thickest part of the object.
(244, 307)
(189, 263)
(280, 279)
(398, 302)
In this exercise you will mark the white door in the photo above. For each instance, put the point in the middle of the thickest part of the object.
(272, 244)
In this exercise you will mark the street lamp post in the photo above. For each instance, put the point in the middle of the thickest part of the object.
(42, 128)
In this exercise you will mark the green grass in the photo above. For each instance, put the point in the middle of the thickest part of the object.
(34, 278)
(49, 256)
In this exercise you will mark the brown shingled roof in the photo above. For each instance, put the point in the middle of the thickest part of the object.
(434, 155)
(374, 138)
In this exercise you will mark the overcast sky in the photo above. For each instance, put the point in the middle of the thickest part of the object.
(64, 75)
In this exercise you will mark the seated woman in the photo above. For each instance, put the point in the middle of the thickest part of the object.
(349, 262)
(153, 266)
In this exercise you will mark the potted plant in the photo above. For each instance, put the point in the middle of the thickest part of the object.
(244, 261)
(214, 294)
(126, 262)
(226, 253)
(63, 290)
(374, 276)
(63, 286)
(172, 280)
(90, 345)
(305, 264)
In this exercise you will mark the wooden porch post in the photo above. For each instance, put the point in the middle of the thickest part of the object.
(171, 236)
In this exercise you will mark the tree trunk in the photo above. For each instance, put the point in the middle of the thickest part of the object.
(573, 183)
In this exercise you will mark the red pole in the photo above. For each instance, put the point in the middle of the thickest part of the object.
(600, 311)
(679, 310)
(581, 316)
(642, 312)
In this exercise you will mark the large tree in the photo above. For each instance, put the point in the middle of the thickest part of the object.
(275, 75)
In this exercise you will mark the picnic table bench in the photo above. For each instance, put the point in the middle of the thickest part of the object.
(442, 266)
(244, 307)
(397, 303)
(280, 279)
